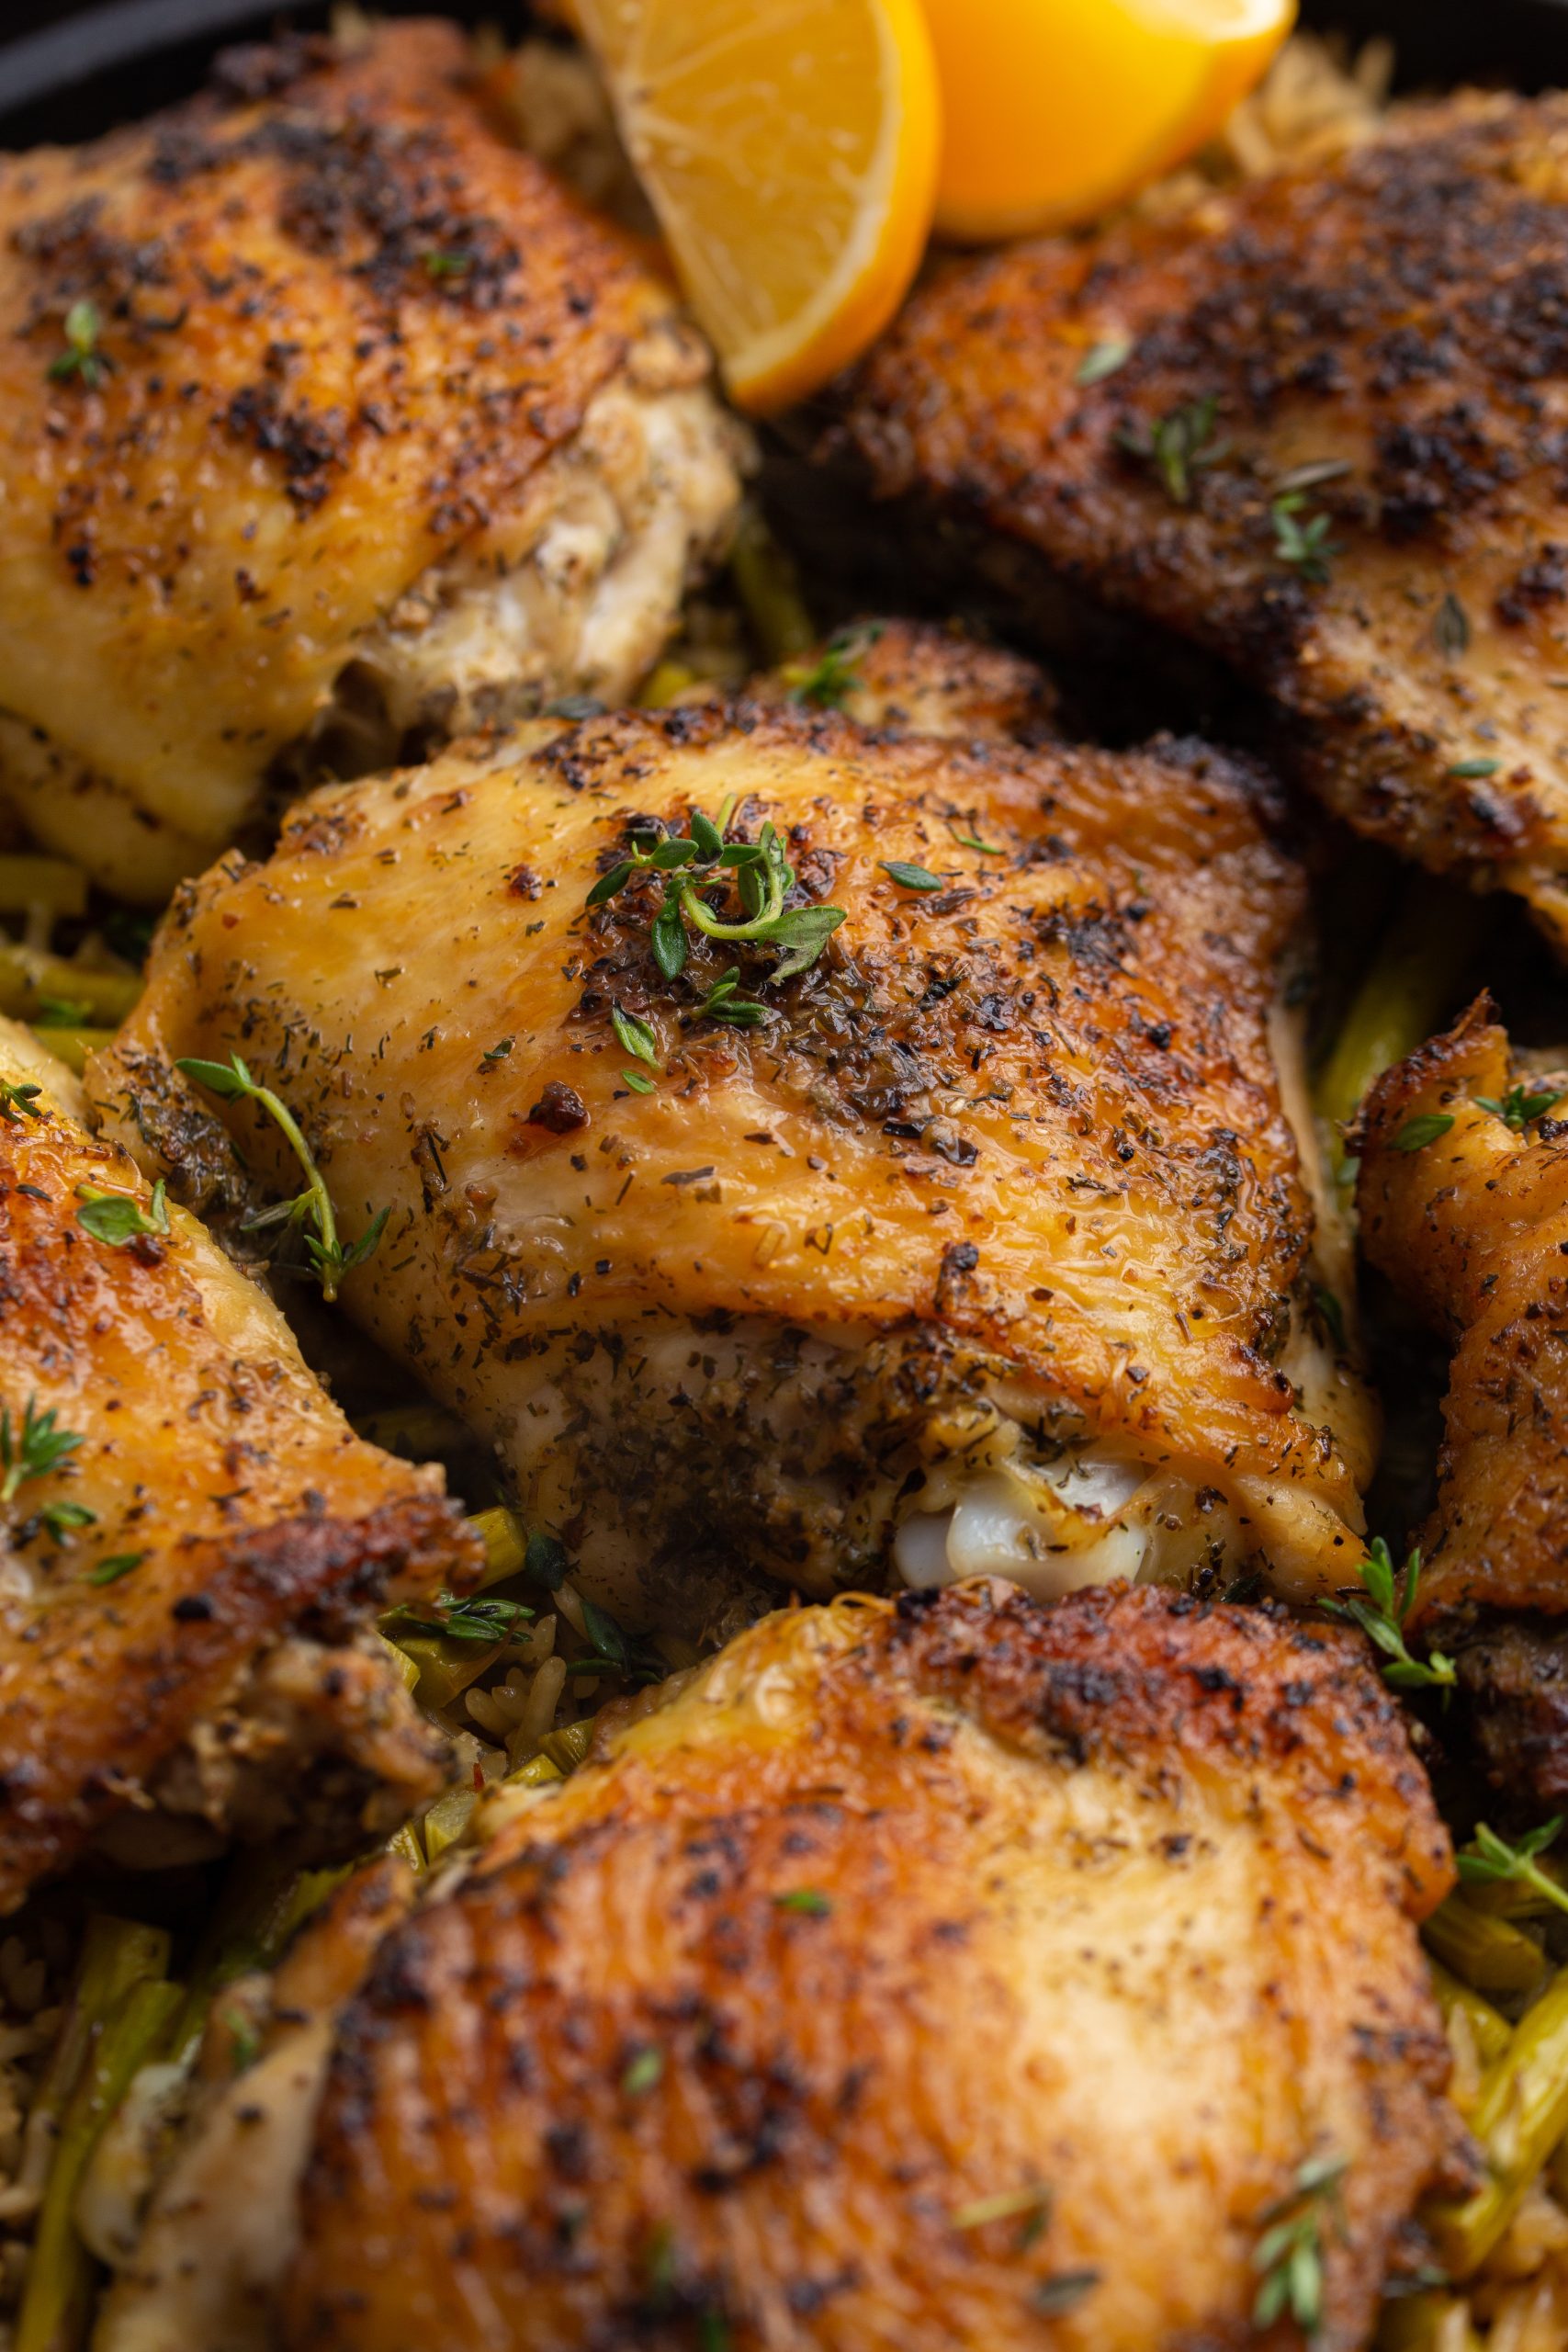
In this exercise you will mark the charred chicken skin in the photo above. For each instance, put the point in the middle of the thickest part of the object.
(330, 422)
(1464, 1204)
(955, 1971)
(983, 1243)
(1317, 425)
(191, 1536)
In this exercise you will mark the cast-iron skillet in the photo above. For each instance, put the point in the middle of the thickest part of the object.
(68, 69)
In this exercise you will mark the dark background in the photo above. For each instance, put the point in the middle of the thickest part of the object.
(67, 70)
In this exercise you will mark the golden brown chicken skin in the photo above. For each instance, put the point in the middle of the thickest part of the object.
(191, 1538)
(961, 1971)
(986, 1245)
(1467, 1213)
(1377, 343)
(327, 418)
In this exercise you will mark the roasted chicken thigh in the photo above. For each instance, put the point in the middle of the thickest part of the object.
(1464, 1203)
(957, 1971)
(982, 1243)
(1319, 424)
(329, 421)
(191, 1536)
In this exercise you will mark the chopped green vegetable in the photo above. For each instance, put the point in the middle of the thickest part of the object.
(1519, 2117)
(1383, 1615)
(1466, 769)
(477, 1619)
(118, 1218)
(232, 1082)
(1481, 1950)
(1425, 1127)
(805, 1900)
(36, 1450)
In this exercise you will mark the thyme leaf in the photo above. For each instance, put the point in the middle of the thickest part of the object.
(1518, 1108)
(18, 1103)
(81, 356)
(1104, 359)
(1289, 2254)
(1302, 541)
(232, 1082)
(1425, 1127)
(36, 1448)
(1383, 1614)
(118, 1217)
(1489, 1860)
(1178, 446)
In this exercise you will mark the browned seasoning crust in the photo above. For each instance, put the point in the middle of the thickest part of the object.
(1106, 1909)
(1473, 1227)
(217, 1674)
(345, 324)
(1397, 315)
(1016, 1137)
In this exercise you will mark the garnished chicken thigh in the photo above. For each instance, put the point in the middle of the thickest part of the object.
(1463, 1192)
(972, 1235)
(962, 1971)
(331, 423)
(1317, 425)
(191, 1536)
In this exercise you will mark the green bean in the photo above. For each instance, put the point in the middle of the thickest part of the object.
(1519, 2117)
(567, 1747)
(71, 1046)
(1413, 973)
(52, 882)
(28, 978)
(1485, 1953)
(122, 2010)
(1489, 2027)
(770, 590)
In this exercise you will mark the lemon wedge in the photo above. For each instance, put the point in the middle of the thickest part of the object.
(1055, 109)
(789, 149)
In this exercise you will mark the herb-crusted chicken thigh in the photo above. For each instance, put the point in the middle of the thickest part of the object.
(957, 1971)
(191, 1536)
(1464, 1192)
(1318, 426)
(980, 1241)
(329, 423)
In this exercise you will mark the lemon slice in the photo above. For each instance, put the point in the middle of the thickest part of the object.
(789, 148)
(1055, 109)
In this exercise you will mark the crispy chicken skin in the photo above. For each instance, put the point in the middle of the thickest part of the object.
(1102, 1914)
(394, 433)
(1395, 316)
(989, 1247)
(1472, 1227)
(193, 1658)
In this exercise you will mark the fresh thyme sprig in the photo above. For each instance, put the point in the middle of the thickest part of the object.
(1489, 1860)
(763, 875)
(1518, 1107)
(232, 1082)
(81, 356)
(18, 1103)
(1178, 446)
(1289, 2255)
(1426, 1126)
(723, 1004)
(824, 683)
(1302, 543)
(1383, 1617)
(36, 1448)
(488, 1618)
